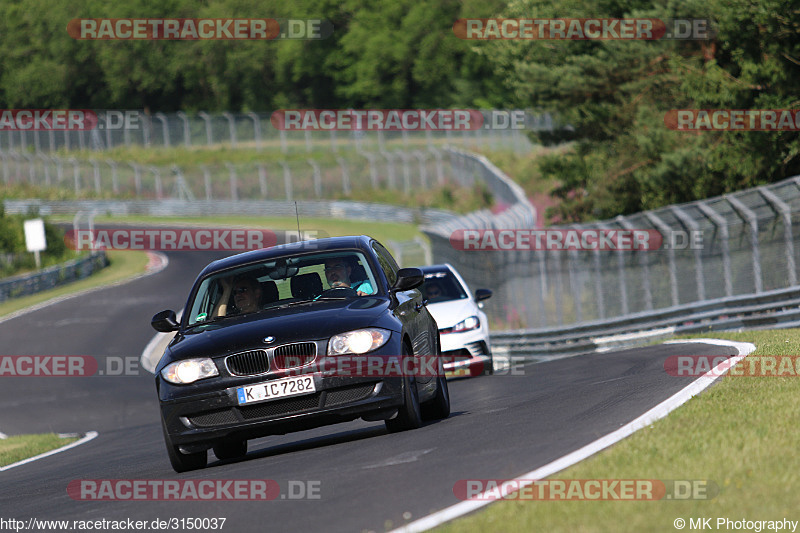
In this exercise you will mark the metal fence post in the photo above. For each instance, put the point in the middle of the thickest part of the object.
(96, 174)
(207, 182)
(752, 220)
(317, 178)
(722, 225)
(345, 176)
(231, 127)
(157, 178)
(786, 214)
(76, 175)
(262, 179)
(406, 172)
(256, 129)
(137, 178)
(423, 173)
(187, 137)
(698, 257)
(643, 261)
(114, 177)
(207, 119)
(164, 127)
(287, 180)
(673, 275)
(234, 181)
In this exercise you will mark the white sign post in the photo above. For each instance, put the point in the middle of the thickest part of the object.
(34, 239)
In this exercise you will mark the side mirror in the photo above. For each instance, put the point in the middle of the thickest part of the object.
(408, 278)
(482, 294)
(165, 321)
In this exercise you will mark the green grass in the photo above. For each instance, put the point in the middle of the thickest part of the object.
(21, 447)
(741, 433)
(124, 264)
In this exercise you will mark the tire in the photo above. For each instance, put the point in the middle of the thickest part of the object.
(183, 462)
(409, 416)
(439, 407)
(231, 449)
(488, 368)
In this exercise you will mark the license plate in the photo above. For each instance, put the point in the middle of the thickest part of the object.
(279, 388)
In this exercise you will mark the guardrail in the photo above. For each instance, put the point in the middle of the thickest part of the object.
(52, 276)
(771, 309)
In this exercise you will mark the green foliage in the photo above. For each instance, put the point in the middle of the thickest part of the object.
(615, 95)
(13, 255)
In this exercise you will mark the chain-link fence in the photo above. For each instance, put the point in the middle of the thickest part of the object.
(737, 244)
(308, 178)
(256, 131)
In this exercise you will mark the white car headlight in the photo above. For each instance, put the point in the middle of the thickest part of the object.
(189, 371)
(358, 341)
(465, 325)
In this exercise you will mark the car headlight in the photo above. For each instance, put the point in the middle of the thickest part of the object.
(189, 371)
(465, 325)
(358, 341)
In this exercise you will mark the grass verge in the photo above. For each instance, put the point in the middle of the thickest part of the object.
(123, 265)
(741, 434)
(21, 447)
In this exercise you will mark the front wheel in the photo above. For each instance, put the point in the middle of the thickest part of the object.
(409, 416)
(439, 407)
(230, 449)
(183, 462)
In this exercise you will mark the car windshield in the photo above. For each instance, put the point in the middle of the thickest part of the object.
(442, 287)
(281, 282)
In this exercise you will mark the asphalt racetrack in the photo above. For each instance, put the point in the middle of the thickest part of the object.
(360, 477)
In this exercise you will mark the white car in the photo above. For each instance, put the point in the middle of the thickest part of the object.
(463, 326)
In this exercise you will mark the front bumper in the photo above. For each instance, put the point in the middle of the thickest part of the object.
(211, 417)
(466, 354)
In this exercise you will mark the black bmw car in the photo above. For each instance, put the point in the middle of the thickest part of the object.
(260, 346)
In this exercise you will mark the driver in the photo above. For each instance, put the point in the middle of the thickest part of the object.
(338, 271)
(246, 293)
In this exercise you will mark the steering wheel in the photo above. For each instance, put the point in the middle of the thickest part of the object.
(340, 291)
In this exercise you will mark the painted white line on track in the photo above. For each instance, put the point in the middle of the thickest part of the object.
(659, 411)
(86, 438)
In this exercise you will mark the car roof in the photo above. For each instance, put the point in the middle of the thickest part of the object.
(349, 242)
(443, 267)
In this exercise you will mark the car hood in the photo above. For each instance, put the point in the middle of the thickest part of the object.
(313, 321)
(448, 314)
